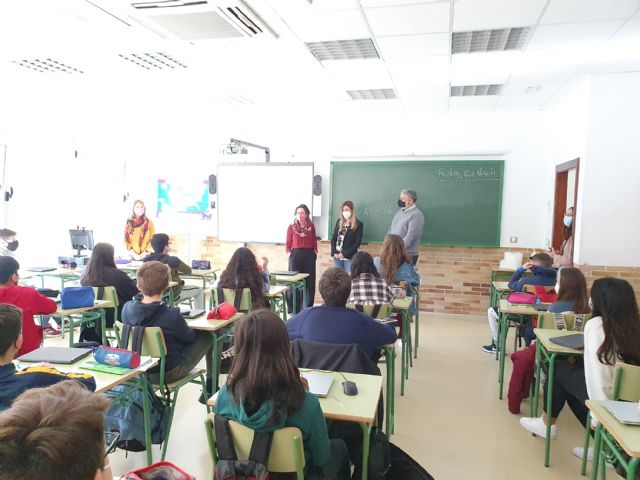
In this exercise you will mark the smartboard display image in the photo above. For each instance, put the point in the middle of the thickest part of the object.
(183, 197)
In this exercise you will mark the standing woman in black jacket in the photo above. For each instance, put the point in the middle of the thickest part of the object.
(347, 237)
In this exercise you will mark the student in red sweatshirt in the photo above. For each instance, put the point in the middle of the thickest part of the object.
(28, 299)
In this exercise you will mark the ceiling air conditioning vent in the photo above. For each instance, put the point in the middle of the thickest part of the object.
(475, 90)
(373, 94)
(201, 20)
(498, 40)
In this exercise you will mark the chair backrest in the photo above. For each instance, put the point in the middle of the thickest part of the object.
(229, 297)
(287, 452)
(626, 382)
(384, 312)
(109, 294)
(153, 344)
(547, 320)
(532, 288)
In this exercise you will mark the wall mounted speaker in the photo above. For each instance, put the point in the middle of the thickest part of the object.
(317, 185)
(212, 184)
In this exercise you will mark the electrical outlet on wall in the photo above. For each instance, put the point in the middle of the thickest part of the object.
(513, 239)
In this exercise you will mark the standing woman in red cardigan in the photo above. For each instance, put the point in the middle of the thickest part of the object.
(302, 248)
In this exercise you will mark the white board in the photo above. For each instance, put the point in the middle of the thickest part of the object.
(256, 201)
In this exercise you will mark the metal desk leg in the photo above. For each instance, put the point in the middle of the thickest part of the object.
(536, 392)
(366, 434)
(405, 350)
(502, 345)
(303, 284)
(632, 468)
(547, 440)
(71, 326)
(597, 453)
(146, 413)
(284, 306)
(389, 353)
(103, 326)
(215, 357)
(416, 340)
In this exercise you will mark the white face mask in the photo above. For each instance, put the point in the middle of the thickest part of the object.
(590, 304)
(567, 220)
(346, 214)
(557, 288)
(297, 217)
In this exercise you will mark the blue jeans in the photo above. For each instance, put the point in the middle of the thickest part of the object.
(343, 264)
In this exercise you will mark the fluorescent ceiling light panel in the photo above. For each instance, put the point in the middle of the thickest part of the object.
(565, 11)
(489, 40)
(475, 90)
(409, 19)
(153, 61)
(372, 94)
(471, 15)
(46, 65)
(360, 48)
(401, 46)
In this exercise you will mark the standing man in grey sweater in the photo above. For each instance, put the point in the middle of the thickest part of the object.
(408, 222)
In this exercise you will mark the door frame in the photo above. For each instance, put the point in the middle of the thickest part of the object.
(562, 170)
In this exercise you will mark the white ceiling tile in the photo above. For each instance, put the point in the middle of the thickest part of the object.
(329, 25)
(573, 35)
(419, 92)
(482, 68)
(543, 66)
(426, 105)
(517, 108)
(519, 89)
(472, 104)
(395, 3)
(414, 45)
(421, 71)
(562, 11)
(612, 67)
(325, 5)
(628, 35)
(477, 15)
(358, 74)
(409, 19)
(525, 99)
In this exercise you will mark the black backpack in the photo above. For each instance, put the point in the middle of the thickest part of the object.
(403, 467)
(228, 467)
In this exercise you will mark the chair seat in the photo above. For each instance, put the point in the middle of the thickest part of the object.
(189, 377)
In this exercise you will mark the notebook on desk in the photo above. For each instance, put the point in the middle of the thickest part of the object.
(63, 355)
(319, 383)
(286, 273)
(575, 341)
(625, 412)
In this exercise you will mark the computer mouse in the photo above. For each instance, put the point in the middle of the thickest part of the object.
(350, 388)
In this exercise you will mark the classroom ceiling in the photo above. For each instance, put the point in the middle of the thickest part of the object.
(514, 54)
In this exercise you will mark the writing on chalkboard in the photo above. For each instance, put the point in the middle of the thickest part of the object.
(378, 210)
(466, 174)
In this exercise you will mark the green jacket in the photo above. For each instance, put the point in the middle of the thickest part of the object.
(309, 419)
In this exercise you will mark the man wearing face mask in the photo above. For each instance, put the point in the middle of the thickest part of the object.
(8, 242)
(408, 223)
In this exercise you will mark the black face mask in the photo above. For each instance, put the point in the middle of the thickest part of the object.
(401, 204)
(12, 246)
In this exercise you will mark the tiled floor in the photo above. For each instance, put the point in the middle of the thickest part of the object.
(450, 418)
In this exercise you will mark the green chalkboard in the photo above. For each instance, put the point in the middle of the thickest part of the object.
(461, 200)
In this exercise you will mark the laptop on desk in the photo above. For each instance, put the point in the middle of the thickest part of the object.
(625, 412)
(55, 355)
(41, 269)
(319, 383)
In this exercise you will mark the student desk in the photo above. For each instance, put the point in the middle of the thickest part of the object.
(219, 330)
(277, 294)
(501, 274)
(137, 380)
(295, 283)
(402, 306)
(361, 408)
(550, 351)
(204, 276)
(498, 290)
(78, 316)
(618, 437)
(65, 275)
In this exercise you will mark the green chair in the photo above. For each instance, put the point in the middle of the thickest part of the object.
(153, 345)
(111, 295)
(245, 305)
(547, 320)
(287, 453)
(626, 387)
(383, 312)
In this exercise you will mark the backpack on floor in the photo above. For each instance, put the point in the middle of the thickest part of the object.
(228, 467)
(403, 467)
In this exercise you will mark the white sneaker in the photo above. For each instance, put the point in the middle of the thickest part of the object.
(537, 427)
(579, 452)
(398, 347)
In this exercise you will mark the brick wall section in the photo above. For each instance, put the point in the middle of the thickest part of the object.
(454, 279)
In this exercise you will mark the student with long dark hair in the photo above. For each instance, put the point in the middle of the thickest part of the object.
(395, 265)
(347, 236)
(101, 271)
(243, 272)
(564, 256)
(302, 248)
(264, 391)
(610, 336)
(367, 286)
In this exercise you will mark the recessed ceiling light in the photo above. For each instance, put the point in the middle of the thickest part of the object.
(357, 49)
(475, 90)
(489, 40)
(373, 94)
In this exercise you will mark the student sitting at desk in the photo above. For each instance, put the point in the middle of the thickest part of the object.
(610, 336)
(55, 433)
(395, 265)
(243, 271)
(8, 242)
(101, 271)
(543, 274)
(185, 346)
(161, 243)
(367, 287)
(14, 382)
(28, 299)
(264, 392)
(333, 322)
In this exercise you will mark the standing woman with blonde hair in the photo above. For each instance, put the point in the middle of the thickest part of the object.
(347, 236)
(138, 231)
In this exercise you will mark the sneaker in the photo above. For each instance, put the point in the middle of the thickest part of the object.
(579, 452)
(490, 348)
(538, 427)
(51, 332)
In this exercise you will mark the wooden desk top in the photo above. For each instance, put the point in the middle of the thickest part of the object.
(276, 290)
(497, 268)
(544, 336)
(361, 408)
(104, 381)
(402, 303)
(73, 311)
(516, 309)
(201, 323)
(628, 436)
(501, 286)
(291, 278)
